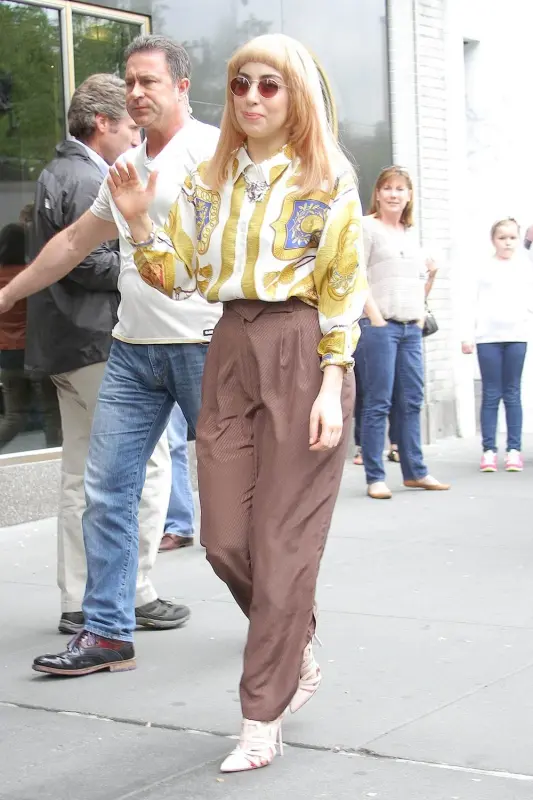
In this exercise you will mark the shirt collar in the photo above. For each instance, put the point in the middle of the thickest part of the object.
(267, 170)
(176, 142)
(102, 165)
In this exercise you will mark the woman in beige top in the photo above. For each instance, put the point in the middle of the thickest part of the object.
(390, 349)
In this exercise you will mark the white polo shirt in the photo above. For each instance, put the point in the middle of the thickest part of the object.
(145, 315)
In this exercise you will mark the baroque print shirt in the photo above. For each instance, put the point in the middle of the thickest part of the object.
(270, 245)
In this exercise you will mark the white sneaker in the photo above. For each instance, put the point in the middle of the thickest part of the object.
(489, 462)
(256, 748)
(514, 461)
(310, 680)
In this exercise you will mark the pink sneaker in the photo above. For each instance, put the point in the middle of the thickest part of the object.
(514, 462)
(488, 461)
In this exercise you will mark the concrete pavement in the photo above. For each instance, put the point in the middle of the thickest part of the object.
(427, 622)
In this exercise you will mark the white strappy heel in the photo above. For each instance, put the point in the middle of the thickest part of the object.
(256, 748)
(310, 678)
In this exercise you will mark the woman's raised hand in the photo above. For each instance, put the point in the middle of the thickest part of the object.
(129, 195)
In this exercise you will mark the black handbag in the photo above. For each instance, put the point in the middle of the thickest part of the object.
(431, 325)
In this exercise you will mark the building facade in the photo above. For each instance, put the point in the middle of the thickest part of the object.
(433, 85)
(460, 120)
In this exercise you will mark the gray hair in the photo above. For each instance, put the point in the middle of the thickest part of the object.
(99, 94)
(177, 58)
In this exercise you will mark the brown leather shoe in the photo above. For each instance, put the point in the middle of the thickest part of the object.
(88, 653)
(173, 541)
(429, 483)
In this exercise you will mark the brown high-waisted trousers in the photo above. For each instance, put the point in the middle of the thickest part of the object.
(266, 499)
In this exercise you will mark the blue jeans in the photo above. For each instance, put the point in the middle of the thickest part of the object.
(359, 404)
(501, 365)
(391, 359)
(359, 394)
(140, 386)
(180, 514)
(393, 420)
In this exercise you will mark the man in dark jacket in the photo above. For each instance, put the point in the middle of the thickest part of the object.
(70, 323)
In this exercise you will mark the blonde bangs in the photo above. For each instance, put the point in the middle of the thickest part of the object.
(260, 53)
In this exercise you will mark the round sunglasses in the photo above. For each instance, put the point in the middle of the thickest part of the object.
(267, 87)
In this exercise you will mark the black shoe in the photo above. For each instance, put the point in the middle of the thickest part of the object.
(161, 615)
(88, 653)
(71, 622)
(394, 456)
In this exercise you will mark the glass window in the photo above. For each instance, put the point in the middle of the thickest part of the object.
(351, 44)
(32, 121)
(32, 115)
(35, 55)
(99, 41)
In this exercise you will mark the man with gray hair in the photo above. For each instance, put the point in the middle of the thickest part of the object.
(156, 359)
(69, 327)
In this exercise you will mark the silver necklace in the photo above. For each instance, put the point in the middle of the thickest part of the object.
(255, 190)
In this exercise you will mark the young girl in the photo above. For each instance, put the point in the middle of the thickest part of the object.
(504, 297)
(270, 227)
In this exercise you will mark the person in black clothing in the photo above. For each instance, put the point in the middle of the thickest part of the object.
(69, 324)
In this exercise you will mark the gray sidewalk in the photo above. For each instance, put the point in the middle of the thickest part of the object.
(427, 622)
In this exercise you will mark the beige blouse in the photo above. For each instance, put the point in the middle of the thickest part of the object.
(396, 270)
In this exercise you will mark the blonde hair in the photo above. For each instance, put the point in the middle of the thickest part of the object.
(497, 225)
(385, 175)
(309, 132)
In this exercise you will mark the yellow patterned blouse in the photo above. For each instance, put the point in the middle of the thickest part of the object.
(259, 239)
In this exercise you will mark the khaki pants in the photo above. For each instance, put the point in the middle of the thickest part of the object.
(77, 392)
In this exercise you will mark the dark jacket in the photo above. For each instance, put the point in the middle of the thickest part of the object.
(69, 324)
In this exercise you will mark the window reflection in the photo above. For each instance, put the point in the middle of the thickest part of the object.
(32, 121)
(32, 118)
(99, 45)
(350, 41)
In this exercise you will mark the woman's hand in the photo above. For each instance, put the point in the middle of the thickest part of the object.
(467, 348)
(129, 195)
(325, 422)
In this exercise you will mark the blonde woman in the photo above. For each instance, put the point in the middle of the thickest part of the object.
(390, 351)
(271, 227)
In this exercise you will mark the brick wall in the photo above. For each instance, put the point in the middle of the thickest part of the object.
(420, 126)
